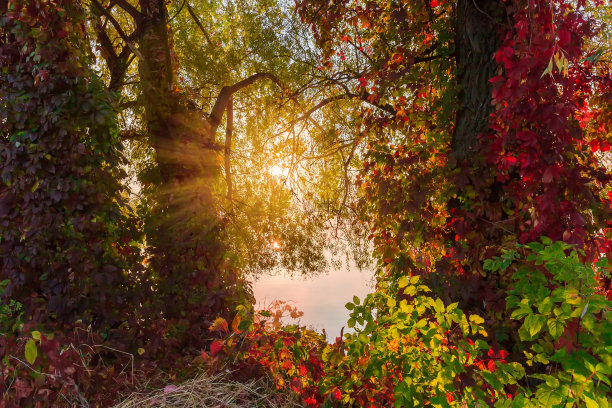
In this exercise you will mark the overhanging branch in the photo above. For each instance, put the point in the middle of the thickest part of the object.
(118, 28)
(227, 91)
(131, 10)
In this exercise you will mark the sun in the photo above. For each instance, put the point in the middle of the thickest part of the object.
(278, 171)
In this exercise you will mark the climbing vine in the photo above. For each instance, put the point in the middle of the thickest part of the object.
(63, 218)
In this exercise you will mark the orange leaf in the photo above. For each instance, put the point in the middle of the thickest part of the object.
(219, 324)
(236, 322)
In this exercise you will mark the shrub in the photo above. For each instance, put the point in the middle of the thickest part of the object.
(411, 349)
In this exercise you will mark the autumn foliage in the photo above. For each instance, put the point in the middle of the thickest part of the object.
(441, 210)
(60, 164)
(443, 199)
(487, 128)
(79, 319)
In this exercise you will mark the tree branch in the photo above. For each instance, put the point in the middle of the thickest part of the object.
(365, 96)
(117, 27)
(318, 106)
(131, 10)
(199, 24)
(132, 134)
(227, 91)
(108, 51)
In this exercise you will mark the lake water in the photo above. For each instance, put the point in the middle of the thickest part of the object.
(321, 298)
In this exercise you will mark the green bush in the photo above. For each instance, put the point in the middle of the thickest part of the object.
(410, 349)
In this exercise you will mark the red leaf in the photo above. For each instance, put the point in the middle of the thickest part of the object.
(564, 37)
(491, 366)
(547, 177)
(337, 394)
(595, 145)
(215, 347)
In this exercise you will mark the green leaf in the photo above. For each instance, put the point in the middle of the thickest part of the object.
(546, 240)
(549, 397)
(36, 335)
(452, 307)
(533, 324)
(545, 306)
(555, 328)
(439, 307)
(552, 382)
(355, 300)
(31, 352)
(522, 311)
(244, 324)
(491, 379)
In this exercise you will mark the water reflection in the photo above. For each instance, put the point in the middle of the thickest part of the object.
(321, 297)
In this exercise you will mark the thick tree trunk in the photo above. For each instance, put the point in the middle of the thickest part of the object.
(478, 37)
(184, 231)
(477, 40)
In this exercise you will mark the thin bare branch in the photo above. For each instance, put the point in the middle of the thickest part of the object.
(199, 24)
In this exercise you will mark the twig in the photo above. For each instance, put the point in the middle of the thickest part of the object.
(199, 24)
(32, 368)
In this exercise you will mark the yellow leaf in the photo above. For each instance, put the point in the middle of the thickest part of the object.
(559, 61)
(31, 352)
(476, 319)
(140, 351)
(548, 69)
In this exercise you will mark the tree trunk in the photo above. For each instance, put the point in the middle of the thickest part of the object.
(476, 207)
(184, 230)
(477, 40)
(229, 129)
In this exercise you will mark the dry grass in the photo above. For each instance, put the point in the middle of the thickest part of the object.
(213, 391)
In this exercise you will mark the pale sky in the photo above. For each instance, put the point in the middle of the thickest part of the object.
(321, 298)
